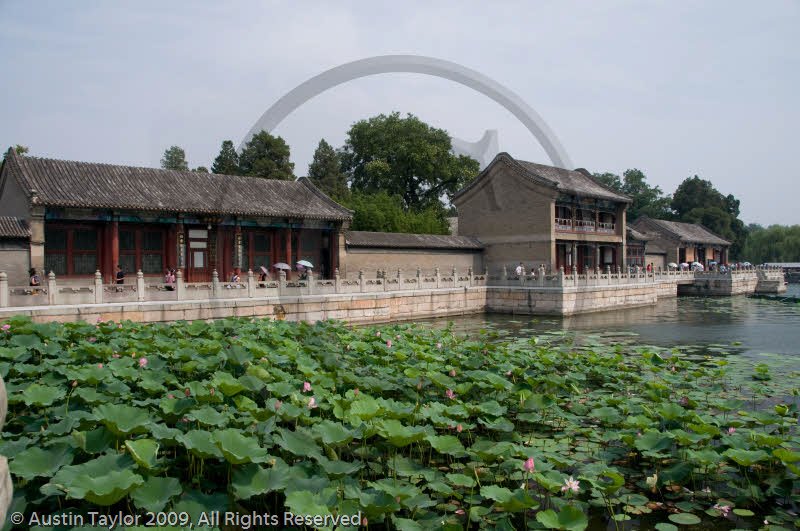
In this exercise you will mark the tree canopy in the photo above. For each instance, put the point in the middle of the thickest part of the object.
(174, 159)
(325, 171)
(647, 200)
(697, 201)
(776, 243)
(266, 156)
(404, 157)
(227, 162)
(384, 213)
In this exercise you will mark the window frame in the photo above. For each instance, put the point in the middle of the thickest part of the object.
(69, 251)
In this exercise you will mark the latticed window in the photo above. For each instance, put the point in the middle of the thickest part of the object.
(71, 250)
(141, 248)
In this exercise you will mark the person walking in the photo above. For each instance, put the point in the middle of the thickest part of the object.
(120, 275)
(519, 270)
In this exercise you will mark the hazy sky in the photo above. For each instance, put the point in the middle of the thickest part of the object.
(672, 88)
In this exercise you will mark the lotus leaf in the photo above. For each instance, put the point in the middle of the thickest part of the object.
(102, 481)
(195, 503)
(745, 457)
(200, 444)
(155, 493)
(685, 518)
(122, 420)
(299, 443)
(39, 462)
(238, 448)
(333, 433)
(209, 416)
(42, 395)
(568, 518)
(144, 452)
(253, 480)
(227, 384)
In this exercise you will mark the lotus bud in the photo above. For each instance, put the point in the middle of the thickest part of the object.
(75, 383)
(187, 392)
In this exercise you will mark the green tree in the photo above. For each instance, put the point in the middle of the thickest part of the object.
(174, 159)
(697, 201)
(266, 156)
(647, 200)
(227, 162)
(21, 150)
(325, 171)
(404, 157)
(201, 169)
(382, 212)
(609, 179)
(776, 243)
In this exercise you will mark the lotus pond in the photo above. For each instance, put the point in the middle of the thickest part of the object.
(417, 427)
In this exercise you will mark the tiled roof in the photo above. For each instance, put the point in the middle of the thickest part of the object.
(91, 185)
(409, 241)
(566, 181)
(11, 227)
(685, 232)
(636, 235)
(655, 249)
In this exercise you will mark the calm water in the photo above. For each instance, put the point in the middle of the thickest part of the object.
(748, 331)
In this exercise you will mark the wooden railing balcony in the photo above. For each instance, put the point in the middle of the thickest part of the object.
(584, 225)
(610, 228)
(563, 224)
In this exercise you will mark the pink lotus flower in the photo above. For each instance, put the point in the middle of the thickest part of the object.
(673, 369)
(398, 336)
(528, 466)
(450, 394)
(171, 397)
(725, 509)
(311, 403)
(459, 356)
(142, 362)
(571, 484)
(389, 343)
(187, 392)
(115, 356)
(453, 372)
(211, 391)
(459, 428)
(99, 365)
(120, 326)
(508, 373)
(378, 334)
(459, 511)
(99, 319)
(278, 404)
(419, 385)
(184, 419)
(356, 391)
(92, 339)
(731, 431)
(684, 401)
(6, 327)
(306, 386)
(639, 434)
(348, 347)
(75, 383)
(438, 345)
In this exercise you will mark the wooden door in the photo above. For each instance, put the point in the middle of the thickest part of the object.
(198, 267)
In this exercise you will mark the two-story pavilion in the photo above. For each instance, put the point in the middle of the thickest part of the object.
(685, 242)
(85, 217)
(538, 214)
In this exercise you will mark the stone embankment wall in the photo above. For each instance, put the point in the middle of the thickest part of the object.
(770, 281)
(721, 284)
(569, 301)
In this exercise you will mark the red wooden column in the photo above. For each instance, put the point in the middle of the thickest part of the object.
(289, 251)
(179, 247)
(172, 248)
(114, 248)
(237, 250)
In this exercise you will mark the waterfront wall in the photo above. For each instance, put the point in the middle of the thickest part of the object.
(366, 300)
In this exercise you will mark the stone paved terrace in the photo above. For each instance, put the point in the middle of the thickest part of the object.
(384, 297)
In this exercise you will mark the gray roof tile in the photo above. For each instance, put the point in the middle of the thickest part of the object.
(92, 185)
(11, 227)
(685, 232)
(409, 241)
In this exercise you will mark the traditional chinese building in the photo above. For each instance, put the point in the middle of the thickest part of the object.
(538, 214)
(684, 242)
(82, 217)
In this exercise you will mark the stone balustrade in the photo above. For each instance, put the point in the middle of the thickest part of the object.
(95, 292)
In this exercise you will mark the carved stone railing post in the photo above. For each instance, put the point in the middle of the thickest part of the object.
(438, 278)
(455, 277)
(282, 282)
(6, 486)
(505, 273)
(52, 289)
(251, 284)
(419, 278)
(469, 274)
(3, 289)
(140, 293)
(399, 278)
(522, 276)
(180, 288)
(310, 281)
(98, 287)
(361, 282)
(337, 280)
(215, 287)
(541, 274)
